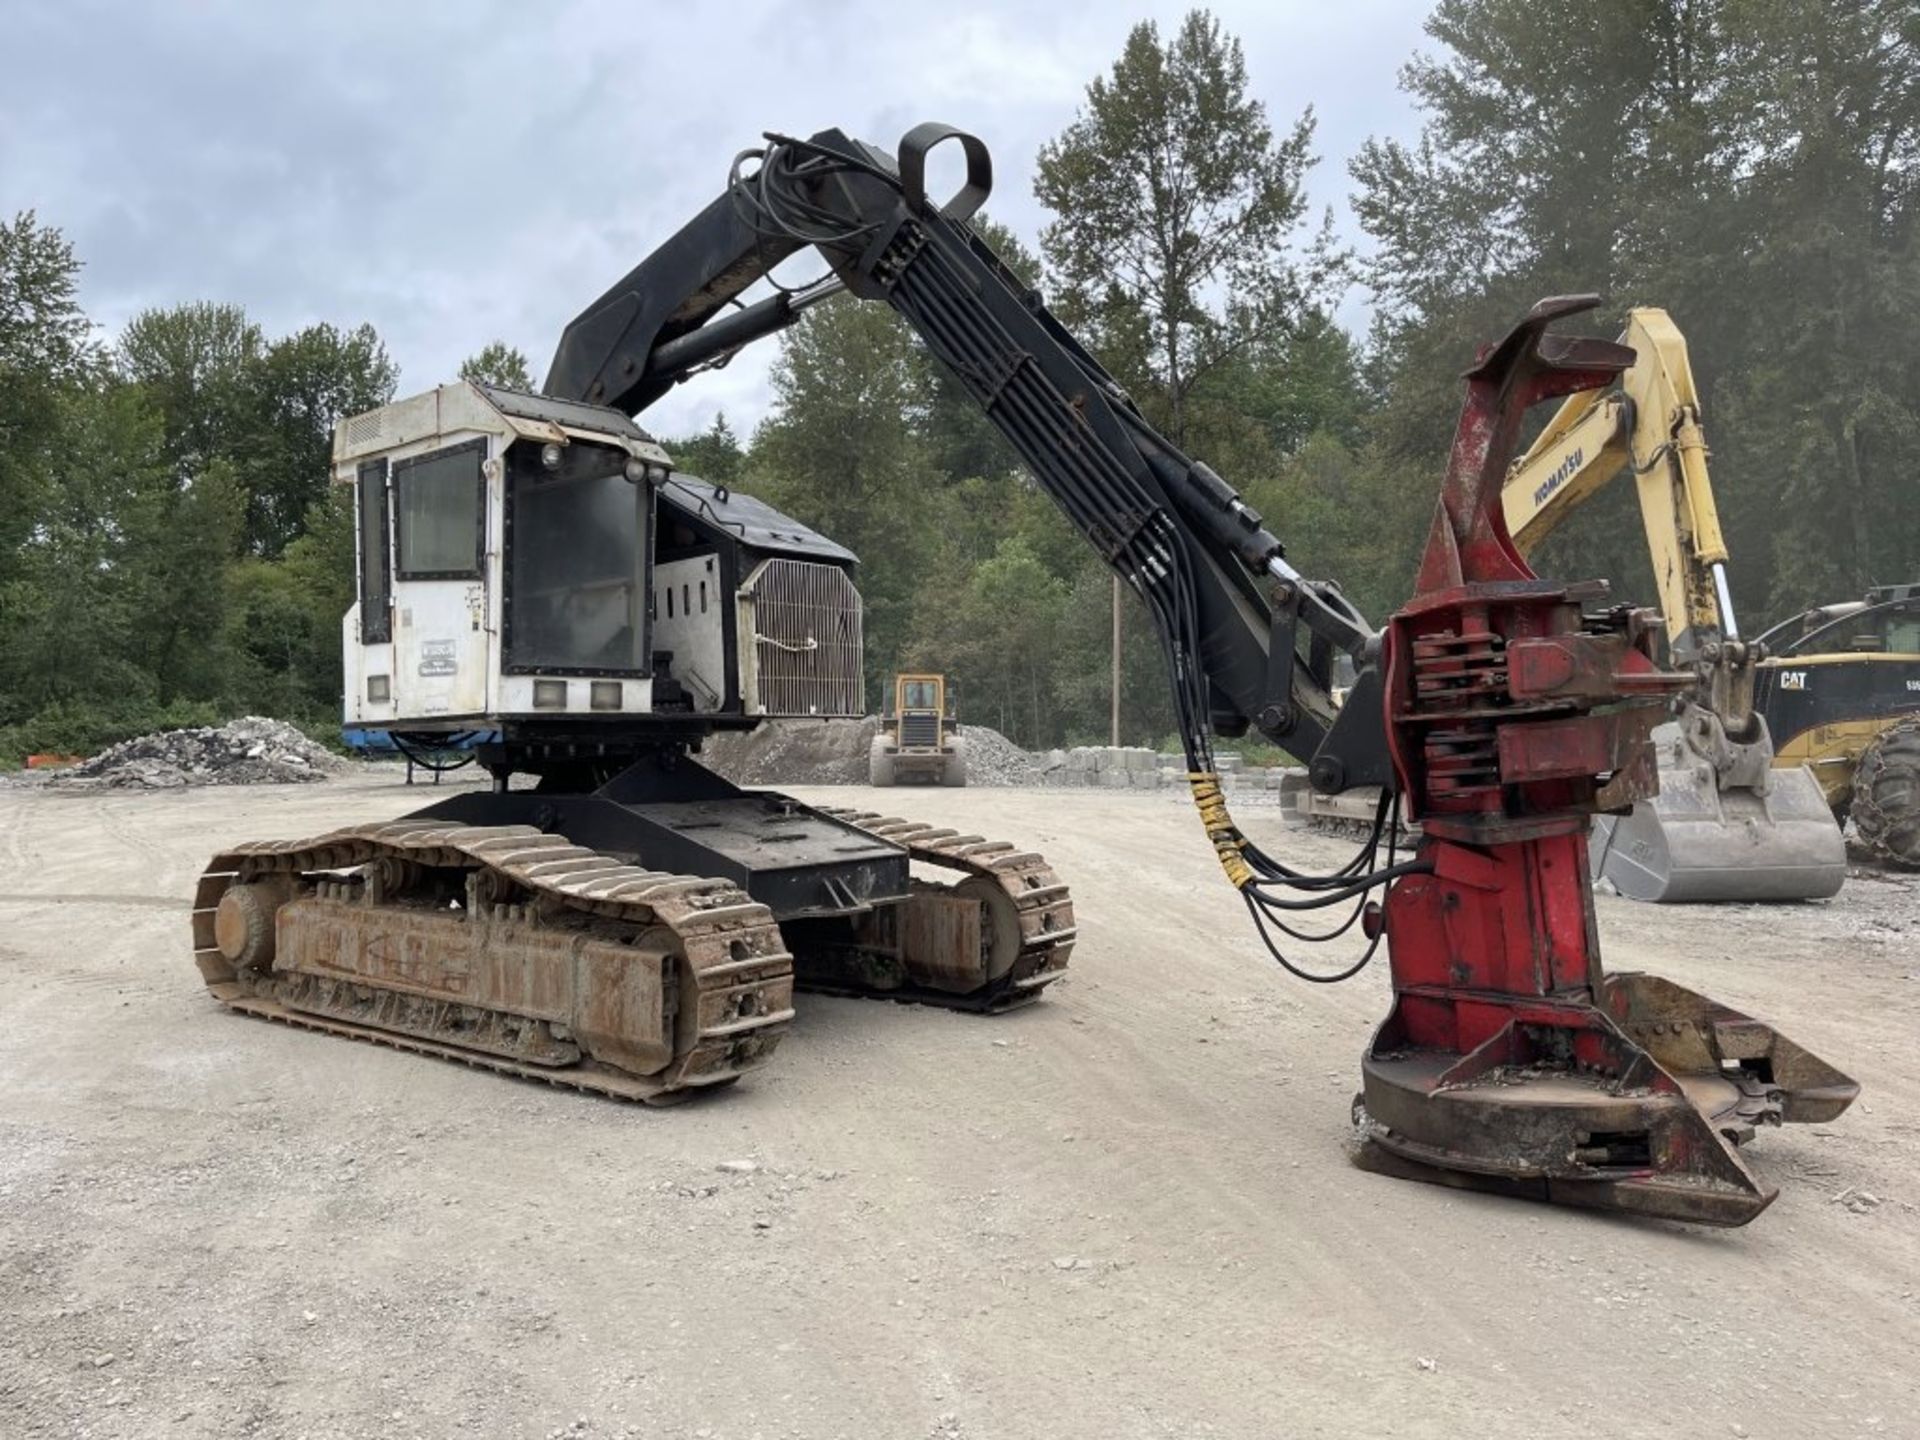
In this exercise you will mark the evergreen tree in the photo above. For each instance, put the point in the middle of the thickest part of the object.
(1750, 165)
(498, 363)
(46, 351)
(843, 451)
(714, 454)
(1176, 213)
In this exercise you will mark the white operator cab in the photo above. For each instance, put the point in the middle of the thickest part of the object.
(531, 565)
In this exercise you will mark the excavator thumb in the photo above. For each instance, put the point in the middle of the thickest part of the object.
(1511, 1061)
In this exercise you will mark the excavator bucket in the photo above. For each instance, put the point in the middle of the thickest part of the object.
(1696, 841)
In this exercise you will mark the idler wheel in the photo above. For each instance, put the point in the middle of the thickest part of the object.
(243, 922)
(999, 924)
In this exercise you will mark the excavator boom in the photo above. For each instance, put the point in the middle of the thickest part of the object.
(1198, 556)
(1727, 824)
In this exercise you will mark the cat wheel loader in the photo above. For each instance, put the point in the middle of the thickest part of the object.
(632, 924)
(918, 743)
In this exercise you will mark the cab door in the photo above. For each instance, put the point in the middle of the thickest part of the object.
(439, 520)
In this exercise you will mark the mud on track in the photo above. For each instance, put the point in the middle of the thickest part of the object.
(1125, 1211)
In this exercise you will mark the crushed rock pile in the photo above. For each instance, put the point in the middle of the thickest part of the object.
(250, 751)
(834, 752)
(992, 759)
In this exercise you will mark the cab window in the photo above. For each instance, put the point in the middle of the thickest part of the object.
(577, 548)
(438, 501)
(919, 695)
(376, 594)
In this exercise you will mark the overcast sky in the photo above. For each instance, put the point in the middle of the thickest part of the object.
(456, 173)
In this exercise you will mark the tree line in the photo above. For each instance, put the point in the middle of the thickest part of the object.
(169, 548)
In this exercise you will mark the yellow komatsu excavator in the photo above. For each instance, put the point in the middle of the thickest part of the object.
(1728, 823)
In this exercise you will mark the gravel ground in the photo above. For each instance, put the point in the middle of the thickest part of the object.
(1123, 1212)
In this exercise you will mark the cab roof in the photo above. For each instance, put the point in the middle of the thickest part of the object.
(724, 512)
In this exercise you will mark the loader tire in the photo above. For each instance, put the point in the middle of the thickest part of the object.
(879, 763)
(953, 769)
(1886, 794)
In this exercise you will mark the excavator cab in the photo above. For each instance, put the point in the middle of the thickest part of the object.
(918, 743)
(529, 564)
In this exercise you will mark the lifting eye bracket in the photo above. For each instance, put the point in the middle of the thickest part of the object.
(914, 148)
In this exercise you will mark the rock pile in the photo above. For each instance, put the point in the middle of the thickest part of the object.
(834, 752)
(992, 759)
(250, 751)
(793, 752)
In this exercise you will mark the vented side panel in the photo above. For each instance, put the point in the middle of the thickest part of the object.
(807, 639)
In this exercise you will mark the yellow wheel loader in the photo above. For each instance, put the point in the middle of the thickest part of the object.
(1731, 821)
(918, 743)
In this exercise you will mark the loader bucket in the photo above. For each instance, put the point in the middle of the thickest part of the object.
(1696, 842)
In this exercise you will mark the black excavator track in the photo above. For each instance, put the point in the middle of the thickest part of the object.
(501, 947)
(1026, 922)
(510, 949)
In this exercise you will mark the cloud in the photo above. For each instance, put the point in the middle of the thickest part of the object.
(456, 173)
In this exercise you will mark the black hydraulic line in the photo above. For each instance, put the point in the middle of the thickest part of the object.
(422, 759)
(1346, 892)
(1311, 977)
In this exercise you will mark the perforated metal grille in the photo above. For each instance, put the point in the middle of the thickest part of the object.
(807, 640)
(364, 428)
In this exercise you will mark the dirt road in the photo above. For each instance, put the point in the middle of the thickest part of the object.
(1125, 1212)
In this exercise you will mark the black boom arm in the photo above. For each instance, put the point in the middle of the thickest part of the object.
(1248, 640)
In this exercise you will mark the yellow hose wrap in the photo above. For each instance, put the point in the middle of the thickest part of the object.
(1221, 830)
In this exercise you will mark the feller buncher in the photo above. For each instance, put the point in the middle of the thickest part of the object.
(918, 743)
(1733, 820)
(634, 924)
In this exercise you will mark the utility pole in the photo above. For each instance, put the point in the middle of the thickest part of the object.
(1113, 729)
